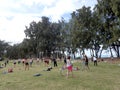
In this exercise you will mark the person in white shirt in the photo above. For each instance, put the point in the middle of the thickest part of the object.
(95, 61)
(69, 67)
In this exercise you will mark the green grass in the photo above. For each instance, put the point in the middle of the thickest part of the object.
(106, 76)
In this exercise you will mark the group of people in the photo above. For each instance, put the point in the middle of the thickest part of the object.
(85, 64)
(67, 63)
(47, 61)
(26, 62)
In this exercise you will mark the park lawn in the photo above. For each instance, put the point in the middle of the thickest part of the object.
(106, 76)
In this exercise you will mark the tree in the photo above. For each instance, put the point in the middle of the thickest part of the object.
(85, 30)
(107, 10)
(45, 35)
(3, 48)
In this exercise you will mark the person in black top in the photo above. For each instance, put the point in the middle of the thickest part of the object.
(85, 58)
(14, 63)
(5, 63)
(65, 61)
(55, 62)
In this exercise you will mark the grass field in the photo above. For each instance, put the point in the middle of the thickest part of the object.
(106, 76)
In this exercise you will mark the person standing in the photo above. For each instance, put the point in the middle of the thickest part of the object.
(14, 63)
(23, 62)
(83, 64)
(65, 62)
(55, 62)
(5, 63)
(26, 64)
(95, 61)
(85, 58)
(69, 67)
(46, 61)
(31, 62)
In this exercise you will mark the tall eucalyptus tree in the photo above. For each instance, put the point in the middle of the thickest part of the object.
(86, 30)
(109, 13)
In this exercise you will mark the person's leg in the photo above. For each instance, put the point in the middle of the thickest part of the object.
(83, 66)
(25, 67)
(87, 66)
(56, 64)
(28, 67)
(30, 64)
(94, 63)
(14, 65)
(67, 74)
(47, 63)
(71, 71)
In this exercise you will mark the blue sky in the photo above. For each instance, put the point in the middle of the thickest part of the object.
(16, 14)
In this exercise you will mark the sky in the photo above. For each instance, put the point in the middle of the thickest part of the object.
(16, 14)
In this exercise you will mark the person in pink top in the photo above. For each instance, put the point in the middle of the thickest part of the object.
(69, 67)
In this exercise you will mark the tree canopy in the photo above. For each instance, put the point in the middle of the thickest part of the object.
(95, 30)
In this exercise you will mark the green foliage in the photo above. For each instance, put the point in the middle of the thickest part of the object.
(109, 13)
(3, 48)
(86, 29)
(44, 36)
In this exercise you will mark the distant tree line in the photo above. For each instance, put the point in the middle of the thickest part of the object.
(96, 30)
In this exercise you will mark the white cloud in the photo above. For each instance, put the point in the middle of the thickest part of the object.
(16, 14)
(42, 2)
(13, 30)
(61, 7)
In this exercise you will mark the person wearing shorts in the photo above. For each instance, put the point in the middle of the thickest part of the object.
(69, 67)
(14, 64)
(23, 62)
(26, 64)
(95, 61)
(55, 62)
(46, 61)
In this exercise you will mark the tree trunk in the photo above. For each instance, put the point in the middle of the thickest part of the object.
(74, 55)
(116, 49)
(100, 53)
(111, 52)
(92, 52)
